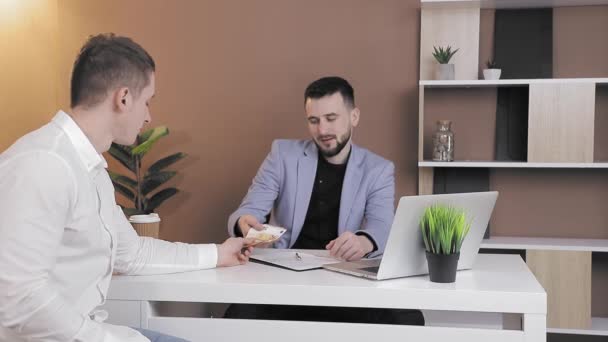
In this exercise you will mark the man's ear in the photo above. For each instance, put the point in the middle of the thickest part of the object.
(122, 98)
(354, 116)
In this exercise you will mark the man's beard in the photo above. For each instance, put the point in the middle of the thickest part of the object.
(340, 144)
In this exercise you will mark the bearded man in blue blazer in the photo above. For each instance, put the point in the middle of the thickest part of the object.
(329, 194)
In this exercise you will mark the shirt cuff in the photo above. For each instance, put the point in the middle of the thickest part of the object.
(237, 230)
(90, 331)
(371, 239)
(207, 255)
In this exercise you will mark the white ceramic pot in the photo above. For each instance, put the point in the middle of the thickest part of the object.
(491, 74)
(445, 72)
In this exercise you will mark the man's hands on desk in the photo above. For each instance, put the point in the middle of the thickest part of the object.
(349, 246)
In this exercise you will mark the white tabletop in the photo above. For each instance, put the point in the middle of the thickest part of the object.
(498, 283)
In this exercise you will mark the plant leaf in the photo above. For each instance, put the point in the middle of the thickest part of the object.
(124, 180)
(124, 191)
(123, 156)
(443, 55)
(444, 229)
(424, 230)
(165, 162)
(154, 180)
(131, 211)
(125, 148)
(159, 198)
(150, 138)
(145, 135)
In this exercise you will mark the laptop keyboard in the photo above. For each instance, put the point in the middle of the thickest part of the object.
(373, 269)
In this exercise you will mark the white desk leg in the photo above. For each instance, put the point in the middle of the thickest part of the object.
(147, 311)
(535, 328)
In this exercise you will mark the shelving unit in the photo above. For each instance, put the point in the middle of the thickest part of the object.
(512, 165)
(554, 135)
(599, 325)
(559, 134)
(509, 4)
(507, 83)
(555, 244)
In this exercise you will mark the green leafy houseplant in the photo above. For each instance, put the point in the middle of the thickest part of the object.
(443, 229)
(141, 187)
(443, 55)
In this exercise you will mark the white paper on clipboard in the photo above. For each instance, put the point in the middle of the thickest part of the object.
(309, 259)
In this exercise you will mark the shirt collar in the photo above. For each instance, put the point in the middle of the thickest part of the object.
(87, 153)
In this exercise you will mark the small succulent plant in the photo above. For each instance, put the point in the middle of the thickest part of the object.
(443, 55)
(491, 64)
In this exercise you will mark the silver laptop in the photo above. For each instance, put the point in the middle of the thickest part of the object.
(404, 253)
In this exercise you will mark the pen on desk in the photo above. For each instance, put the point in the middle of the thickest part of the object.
(298, 256)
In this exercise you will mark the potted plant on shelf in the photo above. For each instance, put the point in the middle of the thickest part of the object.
(492, 72)
(443, 55)
(443, 231)
(140, 188)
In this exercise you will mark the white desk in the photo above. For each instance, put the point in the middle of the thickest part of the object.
(498, 284)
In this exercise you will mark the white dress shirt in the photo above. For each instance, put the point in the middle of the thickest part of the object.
(62, 235)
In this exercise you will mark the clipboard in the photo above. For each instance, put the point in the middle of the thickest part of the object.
(293, 259)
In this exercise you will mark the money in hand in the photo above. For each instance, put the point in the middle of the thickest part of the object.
(267, 235)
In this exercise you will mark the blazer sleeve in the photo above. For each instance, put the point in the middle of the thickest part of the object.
(263, 191)
(380, 208)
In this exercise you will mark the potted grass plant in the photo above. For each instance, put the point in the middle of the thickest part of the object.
(443, 231)
(445, 70)
(492, 71)
(141, 188)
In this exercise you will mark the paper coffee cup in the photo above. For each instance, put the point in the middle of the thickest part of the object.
(146, 225)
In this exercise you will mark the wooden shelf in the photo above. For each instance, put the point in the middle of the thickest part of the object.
(561, 120)
(562, 244)
(503, 4)
(599, 327)
(513, 165)
(506, 83)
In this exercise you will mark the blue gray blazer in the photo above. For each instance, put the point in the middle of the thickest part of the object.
(284, 185)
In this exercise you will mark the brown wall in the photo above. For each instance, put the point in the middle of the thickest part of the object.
(230, 79)
(28, 66)
(580, 47)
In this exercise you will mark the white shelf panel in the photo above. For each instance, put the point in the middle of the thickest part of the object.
(599, 327)
(561, 244)
(514, 165)
(512, 3)
(505, 83)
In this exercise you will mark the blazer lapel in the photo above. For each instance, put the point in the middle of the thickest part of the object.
(307, 169)
(350, 187)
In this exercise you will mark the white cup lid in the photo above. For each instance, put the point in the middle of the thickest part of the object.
(150, 218)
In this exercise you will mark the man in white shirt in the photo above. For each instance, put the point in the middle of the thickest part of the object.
(61, 233)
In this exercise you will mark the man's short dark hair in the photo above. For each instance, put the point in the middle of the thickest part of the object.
(105, 62)
(328, 86)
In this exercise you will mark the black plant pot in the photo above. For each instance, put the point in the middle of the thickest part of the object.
(442, 267)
